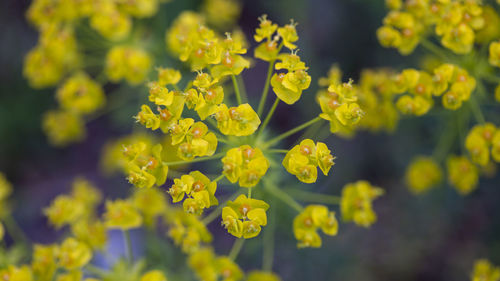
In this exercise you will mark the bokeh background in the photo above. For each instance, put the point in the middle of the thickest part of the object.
(436, 236)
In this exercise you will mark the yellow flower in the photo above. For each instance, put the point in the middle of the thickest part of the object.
(422, 174)
(2, 231)
(80, 94)
(12, 273)
(211, 95)
(187, 230)
(245, 164)
(415, 105)
(305, 225)
(73, 254)
(110, 22)
(303, 159)
(44, 261)
(237, 121)
(462, 174)
(232, 63)
(494, 57)
(485, 271)
(145, 167)
(199, 190)
(63, 127)
(289, 35)
(150, 202)
(265, 30)
(244, 216)
(91, 232)
(495, 146)
(228, 269)
(86, 193)
(401, 30)
(356, 203)
(64, 210)
(478, 143)
(168, 76)
(153, 275)
(289, 87)
(127, 63)
(140, 9)
(222, 13)
(121, 214)
(202, 262)
(257, 275)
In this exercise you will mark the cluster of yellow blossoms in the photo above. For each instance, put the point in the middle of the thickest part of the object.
(5, 191)
(484, 270)
(457, 24)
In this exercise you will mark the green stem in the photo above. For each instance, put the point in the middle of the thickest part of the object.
(283, 196)
(263, 97)
(291, 132)
(128, 246)
(491, 78)
(307, 196)
(476, 110)
(201, 159)
(268, 251)
(243, 88)
(218, 178)
(435, 49)
(15, 231)
(235, 250)
(249, 192)
(269, 115)
(236, 89)
(277, 151)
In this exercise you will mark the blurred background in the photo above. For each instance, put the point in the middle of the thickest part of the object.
(436, 236)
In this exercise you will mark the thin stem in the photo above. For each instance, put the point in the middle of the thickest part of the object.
(201, 159)
(218, 178)
(290, 132)
(308, 196)
(491, 78)
(128, 245)
(263, 97)
(435, 49)
(283, 196)
(269, 115)
(235, 250)
(15, 231)
(277, 151)
(476, 110)
(445, 141)
(243, 88)
(249, 192)
(236, 89)
(268, 251)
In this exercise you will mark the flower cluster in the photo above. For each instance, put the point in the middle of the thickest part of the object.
(455, 23)
(305, 225)
(198, 189)
(422, 174)
(244, 216)
(245, 165)
(356, 203)
(303, 159)
(484, 270)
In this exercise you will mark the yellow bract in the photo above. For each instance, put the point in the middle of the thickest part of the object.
(73, 254)
(303, 159)
(479, 142)
(305, 225)
(462, 174)
(187, 230)
(209, 267)
(485, 271)
(129, 63)
(63, 127)
(151, 203)
(121, 214)
(237, 121)
(422, 174)
(494, 58)
(44, 261)
(154, 275)
(244, 216)
(356, 203)
(245, 165)
(144, 164)
(12, 273)
(200, 192)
